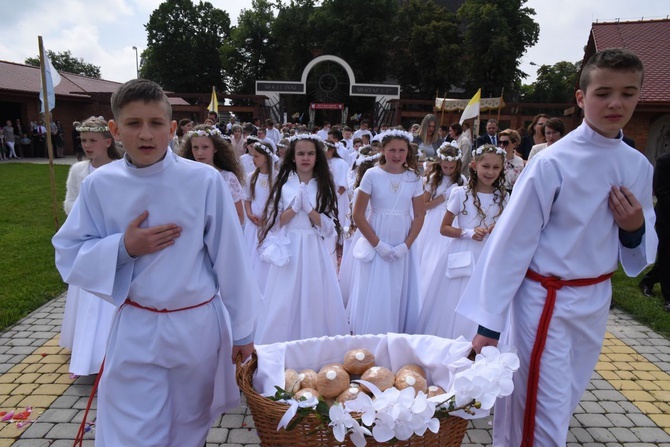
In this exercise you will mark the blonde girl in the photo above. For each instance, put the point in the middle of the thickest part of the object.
(385, 290)
(472, 211)
(87, 319)
(207, 145)
(441, 178)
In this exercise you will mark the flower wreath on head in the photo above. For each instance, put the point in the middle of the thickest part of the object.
(443, 148)
(266, 149)
(100, 129)
(208, 132)
(366, 158)
(395, 133)
(282, 145)
(328, 144)
(306, 136)
(490, 149)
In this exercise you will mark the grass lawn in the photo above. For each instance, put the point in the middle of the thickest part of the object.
(28, 277)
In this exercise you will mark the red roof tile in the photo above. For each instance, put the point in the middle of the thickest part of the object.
(650, 40)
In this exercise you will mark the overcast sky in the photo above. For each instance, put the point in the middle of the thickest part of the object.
(104, 32)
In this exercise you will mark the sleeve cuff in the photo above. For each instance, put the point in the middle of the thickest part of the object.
(481, 330)
(245, 341)
(123, 256)
(631, 239)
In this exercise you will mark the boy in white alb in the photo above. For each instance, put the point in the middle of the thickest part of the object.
(158, 235)
(543, 279)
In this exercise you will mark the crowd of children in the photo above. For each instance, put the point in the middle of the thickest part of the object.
(165, 246)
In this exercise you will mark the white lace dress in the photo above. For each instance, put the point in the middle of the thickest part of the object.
(261, 194)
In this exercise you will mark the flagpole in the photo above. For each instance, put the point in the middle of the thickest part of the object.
(47, 121)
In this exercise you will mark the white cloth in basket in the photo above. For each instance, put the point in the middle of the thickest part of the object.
(440, 357)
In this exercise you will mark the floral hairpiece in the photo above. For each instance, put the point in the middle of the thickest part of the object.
(328, 144)
(92, 129)
(266, 149)
(306, 136)
(443, 148)
(365, 159)
(208, 132)
(490, 149)
(282, 145)
(396, 133)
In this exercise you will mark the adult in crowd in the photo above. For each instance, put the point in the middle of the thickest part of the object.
(427, 138)
(660, 273)
(509, 140)
(552, 130)
(39, 139)
(534, 137)
(9, 134)
(185, 125)
(464, 145)
(491, 135)
(271, 133)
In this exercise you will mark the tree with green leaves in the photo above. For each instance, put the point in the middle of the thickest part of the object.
(64, 61)
(358, 32)
(250, 53)
(427, 53)
(497, 33)
(183, 43)
(295, 44)
(555, 83)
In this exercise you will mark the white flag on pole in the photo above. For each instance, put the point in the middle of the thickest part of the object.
(53, 79)
(472, 109)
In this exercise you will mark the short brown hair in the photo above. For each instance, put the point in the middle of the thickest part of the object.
(617, 59)
(139, 90)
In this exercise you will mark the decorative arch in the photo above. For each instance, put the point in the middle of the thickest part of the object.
(331, 58)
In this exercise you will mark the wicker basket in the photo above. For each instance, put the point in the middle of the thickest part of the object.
(310, 433)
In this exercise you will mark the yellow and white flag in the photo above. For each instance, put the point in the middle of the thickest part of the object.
(213, 103)
(472, 109)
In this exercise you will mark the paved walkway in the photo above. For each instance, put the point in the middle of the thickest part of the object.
(627, 402)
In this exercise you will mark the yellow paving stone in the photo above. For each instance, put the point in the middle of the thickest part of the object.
(47, 378)
(32, 368)
(662, 420)
(6, 388)
(626, 375)
(64, 378)
(605, 366)
(648, 408)
(56, 358)
(621, 357)
(658, 375)
(609, 375)
(42, 401)
(51, 389)
(12, 431)
(12, 401)
(625, 385)
(48, 368)
(661, 395)
(32, 358)
(664, 384)
(664, 407)
(644, 375)
(8, 377)
(605, 350)
(25, 389)
(604, 357)
(64, 368)
(26, 378)
(644, 366)
(636, 396)
(6, 442)
(623, 366)
(53, 341)
(18, 368)
(648, 385)
(44, 349)
(622, 350)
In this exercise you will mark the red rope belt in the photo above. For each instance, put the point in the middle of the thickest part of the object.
(552, 284)
(79, 439)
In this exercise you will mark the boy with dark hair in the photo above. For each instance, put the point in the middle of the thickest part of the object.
(158, 236)
(579, 207)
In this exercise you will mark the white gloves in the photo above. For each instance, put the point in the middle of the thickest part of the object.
(304, 197)
(296, 204)
(467, 233)
(399, 251)
(385, 251)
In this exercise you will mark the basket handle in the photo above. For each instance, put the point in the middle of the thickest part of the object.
(242, 368)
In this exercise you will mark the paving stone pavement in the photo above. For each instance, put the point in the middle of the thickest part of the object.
(627, 403)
